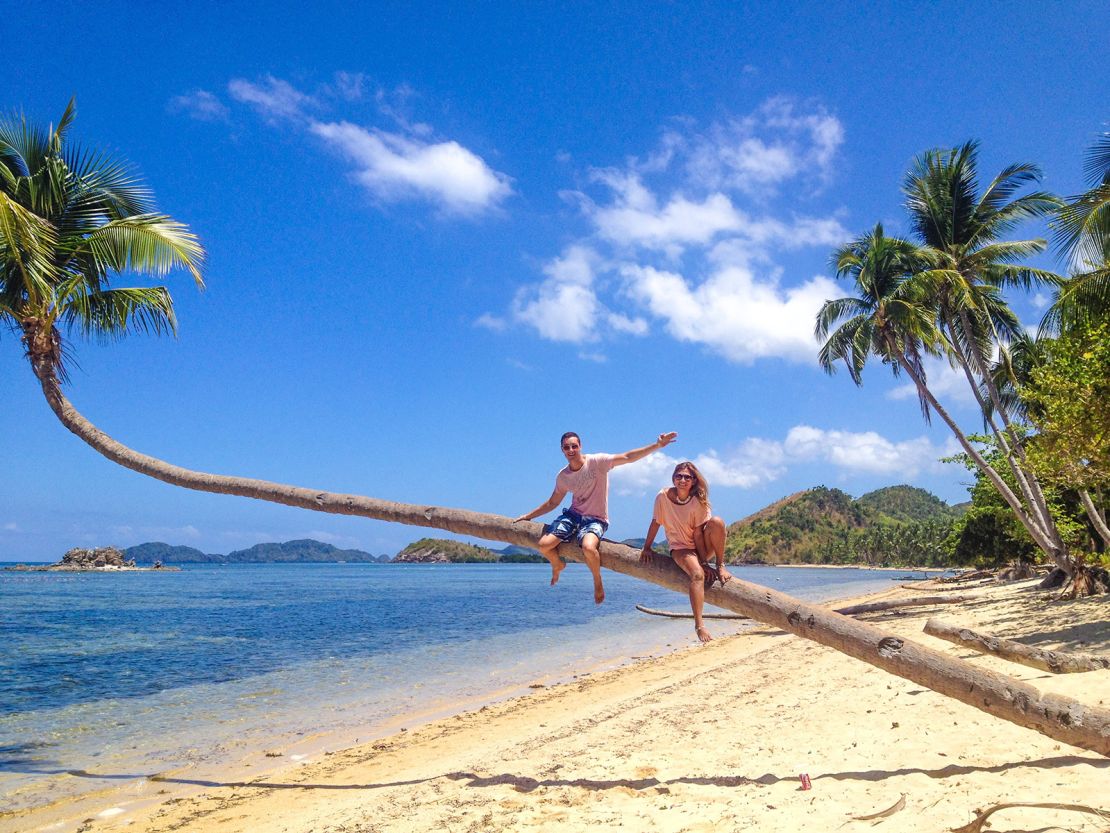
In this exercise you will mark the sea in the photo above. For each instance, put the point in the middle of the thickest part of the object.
(107, 678)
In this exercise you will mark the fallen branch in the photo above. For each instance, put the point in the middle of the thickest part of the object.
(1057, 662)
(915, 601)
(900, 804)
(977, 825)
(670, 614)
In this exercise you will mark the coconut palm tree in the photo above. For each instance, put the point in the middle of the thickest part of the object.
(892, 316)
(961, 230)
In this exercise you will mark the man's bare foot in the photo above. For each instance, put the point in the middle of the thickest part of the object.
(703, 634)
(599, 592)
(557, 566)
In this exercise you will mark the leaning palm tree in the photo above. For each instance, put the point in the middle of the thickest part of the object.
(71, 223)
(892, 316)
(960, 230)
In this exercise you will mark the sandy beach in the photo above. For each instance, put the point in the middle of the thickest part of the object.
(709, 738)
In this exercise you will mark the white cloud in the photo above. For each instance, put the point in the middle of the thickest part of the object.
(759, 152)
(273, 98)
(636, 220)
(564, 307)
(200, 105)
(491, 322)
(733, 312)
(671, 240)
(11, 526)
(395, 167)
(864, 451)
(757, 461)
(350, 85)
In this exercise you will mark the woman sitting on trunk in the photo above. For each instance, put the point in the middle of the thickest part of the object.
(693, 533)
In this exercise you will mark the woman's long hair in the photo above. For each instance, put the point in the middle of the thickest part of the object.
(700, 489)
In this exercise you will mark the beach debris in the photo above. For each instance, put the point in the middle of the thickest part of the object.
(976, 826)
(900, 804)
(1058, 662)
(807, 784)
(914, 601)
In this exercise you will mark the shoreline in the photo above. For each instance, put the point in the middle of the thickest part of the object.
(773, 691)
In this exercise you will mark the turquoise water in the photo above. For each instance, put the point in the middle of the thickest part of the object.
(122, 675)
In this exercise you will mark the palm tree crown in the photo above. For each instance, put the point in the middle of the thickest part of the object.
(1083, 237)
(886, 316)
(71, 221)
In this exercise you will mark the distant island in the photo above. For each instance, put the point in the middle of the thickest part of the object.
(443, 551)
(309, 551)
(302, 551)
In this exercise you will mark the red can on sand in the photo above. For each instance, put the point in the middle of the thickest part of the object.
(806, 783)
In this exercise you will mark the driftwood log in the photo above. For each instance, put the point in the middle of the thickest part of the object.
(1057, 662)
(869, 607)
(894, 604)
(1061, 718)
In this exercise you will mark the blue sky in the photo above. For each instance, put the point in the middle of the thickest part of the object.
(439, 237)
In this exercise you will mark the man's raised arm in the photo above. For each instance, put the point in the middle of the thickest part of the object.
(639, 453)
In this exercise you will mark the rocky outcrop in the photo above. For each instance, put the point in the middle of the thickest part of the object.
(441, 551)
(99, 558)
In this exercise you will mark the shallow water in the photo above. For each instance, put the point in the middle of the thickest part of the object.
(124, 674)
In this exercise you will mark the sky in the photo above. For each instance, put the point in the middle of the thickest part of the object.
(440, 235)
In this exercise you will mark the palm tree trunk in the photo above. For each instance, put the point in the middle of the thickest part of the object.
(1097, 520)
(1056, 553)
(1013, 449)
(1058, 717)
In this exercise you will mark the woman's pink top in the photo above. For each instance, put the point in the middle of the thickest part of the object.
(679, 520)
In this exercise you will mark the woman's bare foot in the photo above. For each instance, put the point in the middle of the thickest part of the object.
(703, 634)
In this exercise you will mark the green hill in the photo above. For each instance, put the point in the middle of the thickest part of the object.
(898, 525)
(905, 504)
(169, 554)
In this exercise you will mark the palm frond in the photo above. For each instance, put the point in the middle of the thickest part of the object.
(835, 310)
(1082, 297)
(1024, 277)
(1096, 167)
(1009, 180)
(111, 314)
(1082, 227)
(27, 244)
(149, 243)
